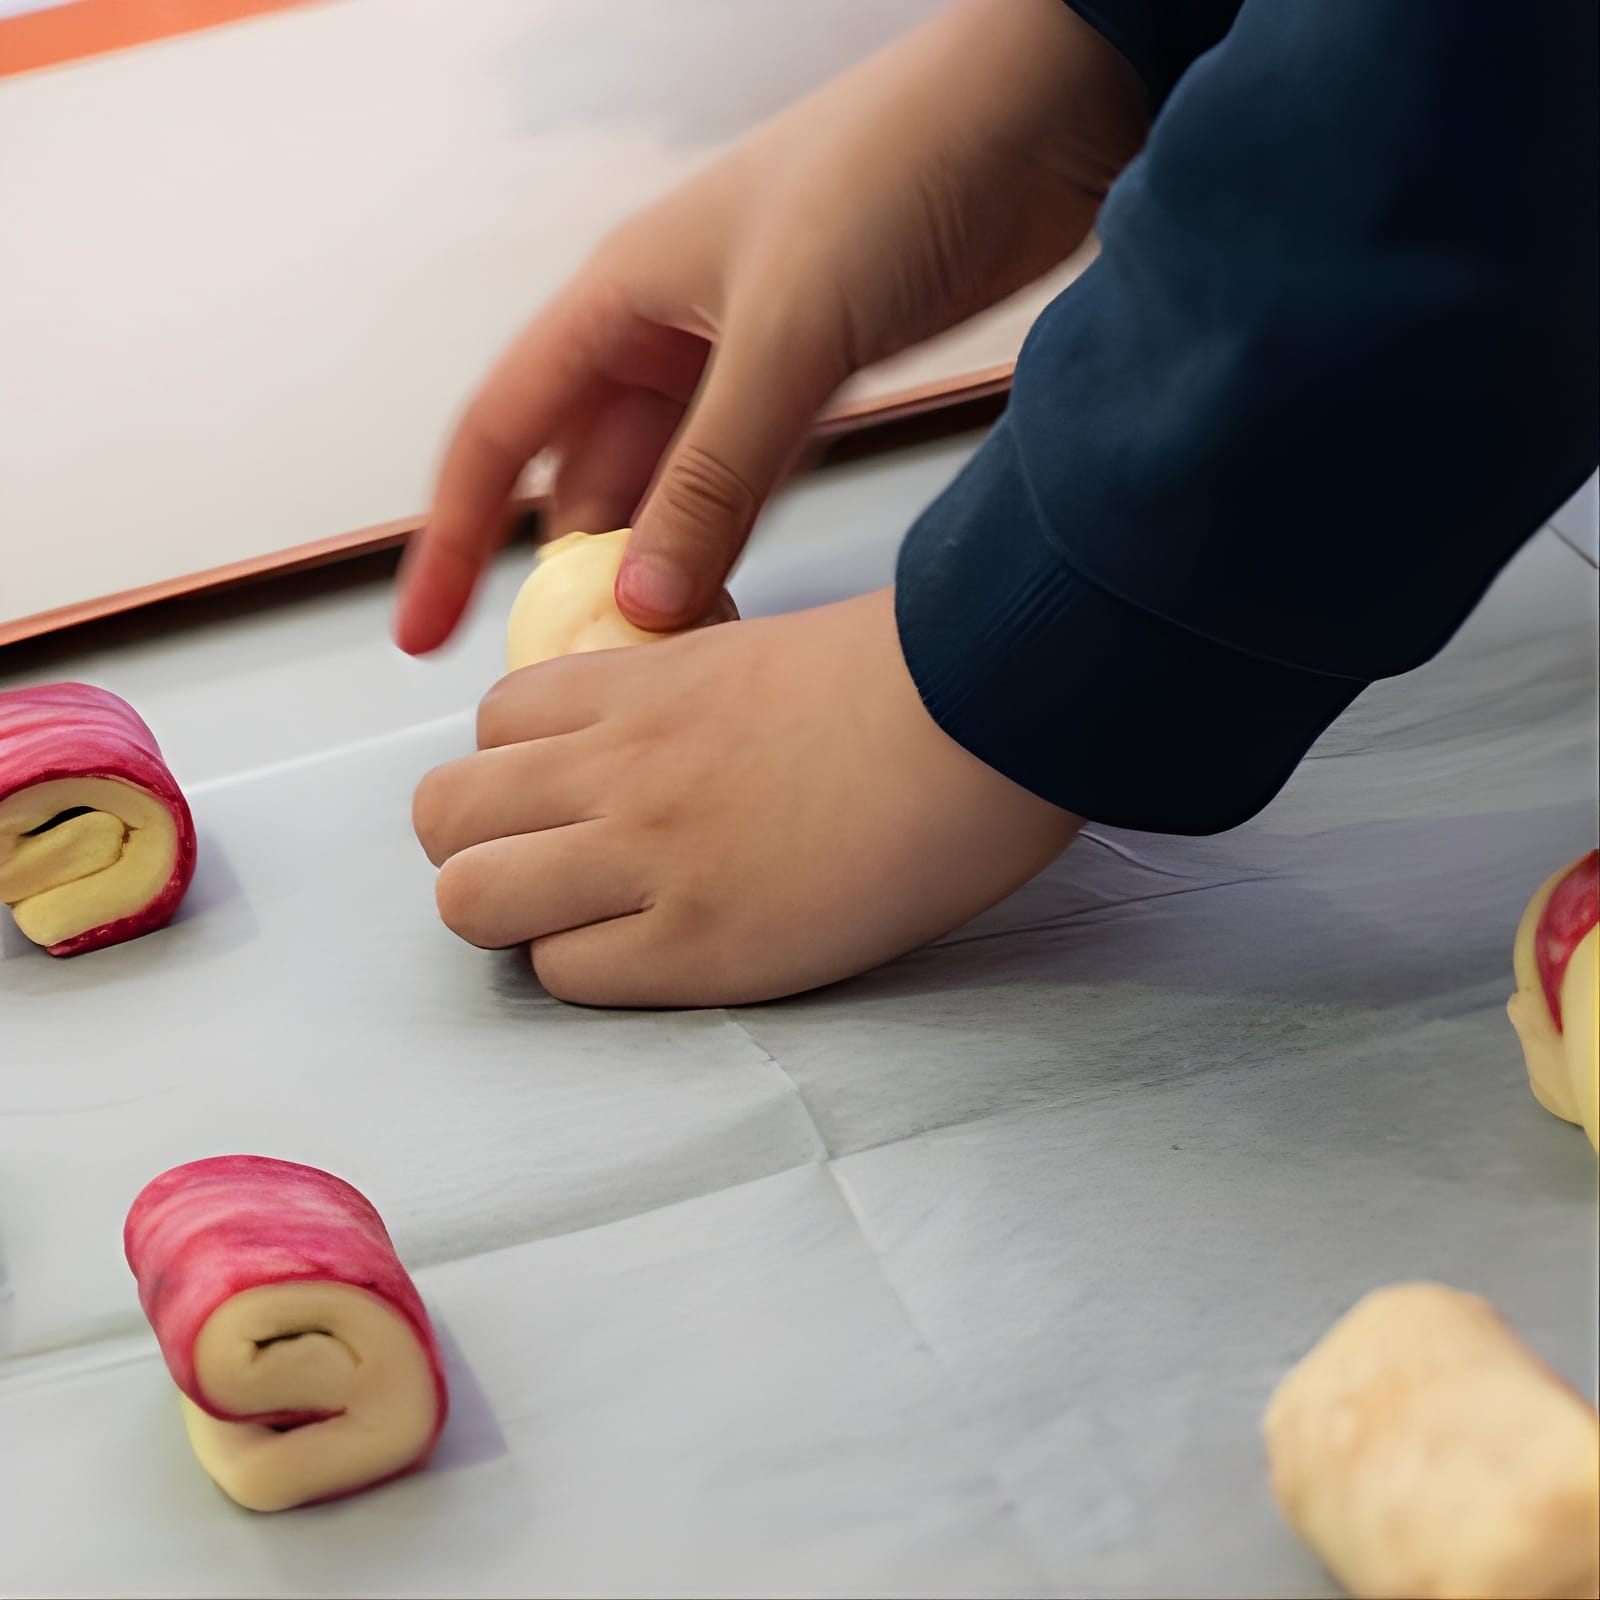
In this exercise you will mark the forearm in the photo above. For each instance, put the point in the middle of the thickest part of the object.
(998, 126)
(1034, 92)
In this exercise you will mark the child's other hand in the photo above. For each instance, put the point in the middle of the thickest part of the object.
(683, 364)
(725, 817)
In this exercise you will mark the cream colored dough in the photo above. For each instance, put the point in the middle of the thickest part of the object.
(1580, 1006)
(1422, 1450)
(311, 1346)
(568, 605)
(90, 870)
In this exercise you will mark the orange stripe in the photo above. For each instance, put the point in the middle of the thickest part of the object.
(96, 27)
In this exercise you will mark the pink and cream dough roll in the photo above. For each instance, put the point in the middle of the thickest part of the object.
(305, 1363)
(96, 841)
(1556, 1009)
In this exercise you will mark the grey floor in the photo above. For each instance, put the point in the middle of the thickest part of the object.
(971, 1276)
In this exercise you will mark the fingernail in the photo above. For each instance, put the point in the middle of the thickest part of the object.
(650, 584)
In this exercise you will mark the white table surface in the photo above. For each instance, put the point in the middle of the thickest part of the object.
(971, 1276)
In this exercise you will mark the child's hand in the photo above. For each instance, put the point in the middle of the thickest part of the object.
(726, 817)
(693, 350)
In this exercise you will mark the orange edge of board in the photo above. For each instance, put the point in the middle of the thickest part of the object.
(80, 29)
(852, 418)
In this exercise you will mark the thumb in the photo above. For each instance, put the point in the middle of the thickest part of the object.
(762, 388)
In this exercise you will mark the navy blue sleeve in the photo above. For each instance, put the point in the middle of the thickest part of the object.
(1337, 361)
(1160, 39)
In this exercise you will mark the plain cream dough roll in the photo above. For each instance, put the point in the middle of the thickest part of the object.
(568, 606)
(1422, 1450)
(308, 1347)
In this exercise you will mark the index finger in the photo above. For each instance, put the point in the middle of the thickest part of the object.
(586, 338)
(512, 417)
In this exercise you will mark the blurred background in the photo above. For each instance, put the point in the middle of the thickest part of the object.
(256, 252)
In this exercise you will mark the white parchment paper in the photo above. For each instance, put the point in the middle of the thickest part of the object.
(971, 1276)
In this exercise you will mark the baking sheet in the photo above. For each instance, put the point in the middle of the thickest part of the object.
(252, 274)
(969, 1276)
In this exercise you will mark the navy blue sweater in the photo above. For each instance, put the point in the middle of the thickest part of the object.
(1336, 362)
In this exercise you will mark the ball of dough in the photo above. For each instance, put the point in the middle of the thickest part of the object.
(568, 604)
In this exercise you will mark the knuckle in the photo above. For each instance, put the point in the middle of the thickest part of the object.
(692, 917)
(704, 495)
(657, 816)
(559, 975)
(457, 894)
(520, 706)
(503, 710)
(431, 807)
(802, 333)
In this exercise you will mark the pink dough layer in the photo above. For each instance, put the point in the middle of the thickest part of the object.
(1571, 911)
(75, 730)
(202, 1233)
